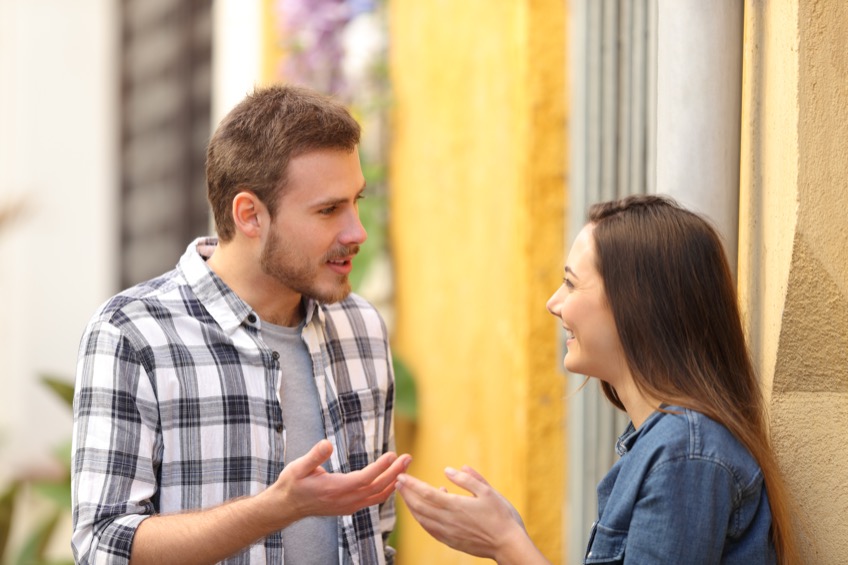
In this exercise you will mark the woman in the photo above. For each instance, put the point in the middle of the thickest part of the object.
(650, 310)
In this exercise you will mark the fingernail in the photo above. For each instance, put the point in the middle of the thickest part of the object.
(450, 471)
(407, 462)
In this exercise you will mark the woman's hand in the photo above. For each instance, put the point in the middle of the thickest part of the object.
(484, 524)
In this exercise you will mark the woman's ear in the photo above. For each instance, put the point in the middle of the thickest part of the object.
(249, 214)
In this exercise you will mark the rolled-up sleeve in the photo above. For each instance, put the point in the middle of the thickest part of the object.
(115, 441)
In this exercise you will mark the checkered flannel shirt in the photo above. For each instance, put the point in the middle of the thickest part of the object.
(177, 408)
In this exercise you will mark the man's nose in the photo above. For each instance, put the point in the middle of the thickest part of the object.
(354, 233)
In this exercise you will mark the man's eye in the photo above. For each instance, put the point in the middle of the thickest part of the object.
(327, 211)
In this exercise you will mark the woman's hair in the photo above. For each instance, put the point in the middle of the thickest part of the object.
(674, 302)
(252, 147)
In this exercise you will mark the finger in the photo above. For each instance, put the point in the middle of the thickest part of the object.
(417, 506)
(432, 517)
(422, 497)
(468, 481)
(383, 486)
(382, 496)
(475, 474)
(374, 476)
(305, 465)
(388, 478)
(351, 491)
(419, 487)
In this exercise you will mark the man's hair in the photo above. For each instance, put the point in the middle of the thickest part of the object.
(672, 295)
(255, 142)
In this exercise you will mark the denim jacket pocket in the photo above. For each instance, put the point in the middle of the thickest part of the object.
(605, 545)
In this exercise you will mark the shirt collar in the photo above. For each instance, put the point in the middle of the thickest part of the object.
(631, 434)
(224, 305)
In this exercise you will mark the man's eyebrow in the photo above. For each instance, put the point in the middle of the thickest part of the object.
(336, 201)
(569, 270)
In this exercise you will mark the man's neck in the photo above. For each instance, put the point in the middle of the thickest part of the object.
(240, 270)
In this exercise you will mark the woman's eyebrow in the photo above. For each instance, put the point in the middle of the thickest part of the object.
(569, 270)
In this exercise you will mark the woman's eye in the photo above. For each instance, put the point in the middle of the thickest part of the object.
(568, 284)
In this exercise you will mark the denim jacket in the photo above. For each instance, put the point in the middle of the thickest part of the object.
(685, 491)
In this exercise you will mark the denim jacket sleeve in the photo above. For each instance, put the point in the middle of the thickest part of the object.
(684, 491)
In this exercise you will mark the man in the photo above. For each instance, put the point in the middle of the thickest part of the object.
(239, 407)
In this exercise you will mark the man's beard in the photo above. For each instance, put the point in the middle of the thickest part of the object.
(280, 261)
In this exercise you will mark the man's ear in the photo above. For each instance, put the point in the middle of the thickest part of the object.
(249, 214)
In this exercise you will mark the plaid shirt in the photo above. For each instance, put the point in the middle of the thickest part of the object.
(177, 408)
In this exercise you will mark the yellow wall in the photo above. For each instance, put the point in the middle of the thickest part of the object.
(477, 207)
(793, 271)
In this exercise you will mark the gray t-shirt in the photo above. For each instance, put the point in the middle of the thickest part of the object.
(313, 540)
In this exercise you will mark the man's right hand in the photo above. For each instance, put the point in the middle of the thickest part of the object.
(309, 490)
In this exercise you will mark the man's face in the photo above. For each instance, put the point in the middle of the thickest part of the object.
(316, 231)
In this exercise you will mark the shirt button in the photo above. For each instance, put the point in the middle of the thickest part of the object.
(252, 319)
(279, 428)
(275, 355)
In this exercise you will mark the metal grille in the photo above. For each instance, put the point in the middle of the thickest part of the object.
(613, 140)
(166, 97)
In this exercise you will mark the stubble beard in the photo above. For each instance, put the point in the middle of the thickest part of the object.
(280, 261)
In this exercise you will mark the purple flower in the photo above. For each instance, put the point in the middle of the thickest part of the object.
(312, 31)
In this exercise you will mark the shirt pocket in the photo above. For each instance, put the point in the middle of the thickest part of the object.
(362, 423)
(605, 545)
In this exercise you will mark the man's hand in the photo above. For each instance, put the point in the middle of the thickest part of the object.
(307, 489)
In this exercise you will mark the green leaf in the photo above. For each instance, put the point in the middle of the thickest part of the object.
(406, 395)
(36, 545)
(7, 510)
(373, 218)
(63, 454)
(59, 492)
(61, 387)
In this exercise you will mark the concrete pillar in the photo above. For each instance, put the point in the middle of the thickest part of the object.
(699, 78)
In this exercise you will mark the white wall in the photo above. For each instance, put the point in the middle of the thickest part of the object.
(58, 151)
(236, 53)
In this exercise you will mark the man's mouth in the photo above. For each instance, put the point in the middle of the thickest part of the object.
(341, 262)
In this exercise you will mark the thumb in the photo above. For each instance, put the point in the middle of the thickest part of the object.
(306, 464)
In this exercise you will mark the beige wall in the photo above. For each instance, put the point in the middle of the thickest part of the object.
(477, 208)
(794, 248)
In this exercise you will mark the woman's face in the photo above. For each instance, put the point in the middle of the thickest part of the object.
(594, 348)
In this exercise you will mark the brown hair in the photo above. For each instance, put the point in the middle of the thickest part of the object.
(672, 296)
(255, 142)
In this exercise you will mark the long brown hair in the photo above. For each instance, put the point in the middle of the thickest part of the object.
(672, 295)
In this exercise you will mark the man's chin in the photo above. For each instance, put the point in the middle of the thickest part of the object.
(330, 296)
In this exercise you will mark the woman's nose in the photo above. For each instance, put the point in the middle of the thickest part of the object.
(554, 304)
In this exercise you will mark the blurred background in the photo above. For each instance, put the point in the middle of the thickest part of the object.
(489, 127)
